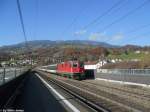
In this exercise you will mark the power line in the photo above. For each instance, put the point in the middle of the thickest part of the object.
(144, 34)
(126, 15)
(74, 21)
(137, 36)
(103, 14)
(22, 23)
(24, 33)
(71, 24)
(118, 8)
(122, 5)
(36, 26)
(138, 28)
(135, 30)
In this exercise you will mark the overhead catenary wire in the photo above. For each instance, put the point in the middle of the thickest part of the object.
(103, 14)
(22, 23)
(138, 28)
(70, 25)
(24, 31)
(117, 9)
(74, 21)
(139, 36)
(135, 30)
(36, 27)
(126, 15)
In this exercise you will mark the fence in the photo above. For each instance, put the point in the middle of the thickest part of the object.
(7, 74)
(126, 75)
(125, 71)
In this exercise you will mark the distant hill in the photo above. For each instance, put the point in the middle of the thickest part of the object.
(47, 43)
(47, 51)
(36, 44)
(131, 47)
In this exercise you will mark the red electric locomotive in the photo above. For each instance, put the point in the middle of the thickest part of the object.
(71, 69)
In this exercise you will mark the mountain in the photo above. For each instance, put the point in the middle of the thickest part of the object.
(35, 44)
(47, 51)
(48, 43)
(88, 42)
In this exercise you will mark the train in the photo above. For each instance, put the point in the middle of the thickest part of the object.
(69, 69)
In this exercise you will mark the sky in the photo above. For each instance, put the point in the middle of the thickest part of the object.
(73, 20)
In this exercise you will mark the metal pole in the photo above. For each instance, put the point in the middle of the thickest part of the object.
(15, 72)
(4, 73)
(20, 71)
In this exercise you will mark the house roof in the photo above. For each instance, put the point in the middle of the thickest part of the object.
(90, 63)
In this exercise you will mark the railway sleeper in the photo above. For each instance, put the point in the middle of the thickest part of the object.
(111, 106)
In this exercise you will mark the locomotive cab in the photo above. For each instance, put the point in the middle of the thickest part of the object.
(78, 70)
(71, 69)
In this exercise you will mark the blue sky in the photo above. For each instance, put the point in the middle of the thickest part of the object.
(65, 20)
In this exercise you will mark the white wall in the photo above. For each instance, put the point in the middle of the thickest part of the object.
(89, 67)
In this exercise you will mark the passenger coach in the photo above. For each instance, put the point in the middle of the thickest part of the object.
(69, 69)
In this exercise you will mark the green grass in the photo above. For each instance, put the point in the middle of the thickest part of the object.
(129, 56)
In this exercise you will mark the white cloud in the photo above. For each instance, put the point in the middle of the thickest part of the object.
(98, 36)
(105, 37)
(117, 37)
(81, 32)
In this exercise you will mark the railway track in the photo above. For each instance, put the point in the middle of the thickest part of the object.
(126, 91)
(121, 101)
(82, 99)
(126, 88)
(118, 96)
(91, 105)
(140, 102)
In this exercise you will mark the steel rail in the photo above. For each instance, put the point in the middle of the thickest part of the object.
(82, 99)
(103, 98)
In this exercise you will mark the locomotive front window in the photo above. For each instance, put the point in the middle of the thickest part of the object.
(75, 65)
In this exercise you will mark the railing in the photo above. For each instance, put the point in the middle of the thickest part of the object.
(125, 71)
(7, 74)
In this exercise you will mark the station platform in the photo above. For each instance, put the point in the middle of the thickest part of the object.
(32, 95)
